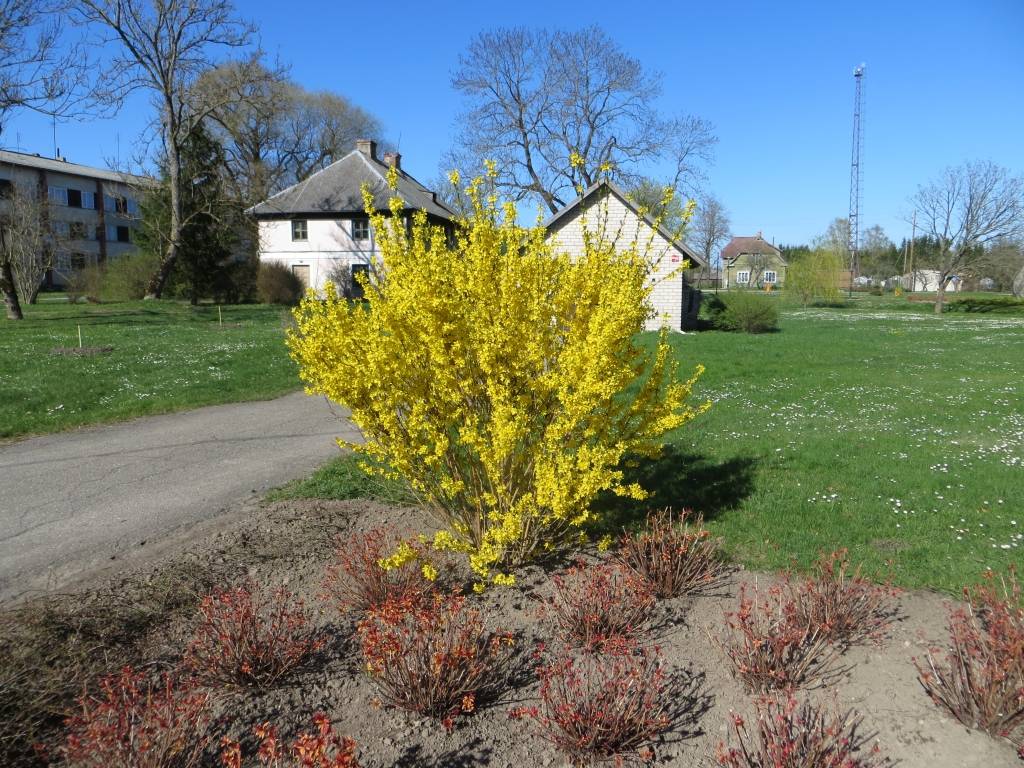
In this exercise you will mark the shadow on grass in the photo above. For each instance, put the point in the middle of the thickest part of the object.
(679, 480)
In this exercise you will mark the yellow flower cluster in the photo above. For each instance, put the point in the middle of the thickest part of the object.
(499, 376)
(405, 553)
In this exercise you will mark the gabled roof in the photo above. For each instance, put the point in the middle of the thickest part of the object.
(338, 189)
(24, 160)
(563, 216)
(756, 244)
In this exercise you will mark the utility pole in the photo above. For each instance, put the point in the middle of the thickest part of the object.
(913, 236)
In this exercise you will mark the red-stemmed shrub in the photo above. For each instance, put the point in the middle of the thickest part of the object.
(841, 604)
(981, 682)
(435, 656)
(596, 606)
(673, 557)
(792, 735)
(771, 646)
(357, 582)
(250, 636)
(136, 723)
(602, 707)
(320, 749)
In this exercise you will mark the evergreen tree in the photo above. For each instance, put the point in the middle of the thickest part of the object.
(210, 223)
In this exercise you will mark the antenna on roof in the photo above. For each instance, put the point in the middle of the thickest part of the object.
(56, 151)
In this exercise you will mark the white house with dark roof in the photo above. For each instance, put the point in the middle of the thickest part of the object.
(606, 208)
(319, 224)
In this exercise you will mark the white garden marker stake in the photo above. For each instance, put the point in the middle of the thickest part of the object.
(220, 318)
(79, 337)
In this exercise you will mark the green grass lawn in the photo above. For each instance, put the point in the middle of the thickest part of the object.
(897, 434)
(877, 427)
(166, 356)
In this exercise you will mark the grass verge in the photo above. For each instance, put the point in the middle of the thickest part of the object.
(163, 356)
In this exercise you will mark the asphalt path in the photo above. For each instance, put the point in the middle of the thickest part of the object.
(73, 502)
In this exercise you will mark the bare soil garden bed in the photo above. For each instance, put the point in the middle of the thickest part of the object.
(51, 648)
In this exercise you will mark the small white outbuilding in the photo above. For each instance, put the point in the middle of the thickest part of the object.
(604, 208)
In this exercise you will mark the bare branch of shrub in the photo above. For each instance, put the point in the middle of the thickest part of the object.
(841, 605)
(249, 636)
(357, 582)
(981, 680)
(133, 722)
(603, 707)
(435, 656)
(792, 735)
(321, 749)
(672, 556)
(770, 646)
(597, 606)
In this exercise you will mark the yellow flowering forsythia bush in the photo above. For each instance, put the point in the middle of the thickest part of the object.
(499, 377)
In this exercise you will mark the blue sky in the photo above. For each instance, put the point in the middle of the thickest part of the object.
(945, 84)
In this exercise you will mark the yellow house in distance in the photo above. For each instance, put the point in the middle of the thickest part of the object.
(752, 262)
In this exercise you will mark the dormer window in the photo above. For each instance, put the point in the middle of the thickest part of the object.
(300, 229)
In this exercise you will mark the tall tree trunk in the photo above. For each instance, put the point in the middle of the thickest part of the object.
(940, 297)
(156, 285)
(10, 294)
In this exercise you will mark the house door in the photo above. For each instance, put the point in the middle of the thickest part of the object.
(301, 271)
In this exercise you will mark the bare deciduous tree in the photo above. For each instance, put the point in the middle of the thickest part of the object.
(37, 71)
(968, 206)
(279, 133)
(27, 247)
(554, 108)
(164, 47)
(709, 229)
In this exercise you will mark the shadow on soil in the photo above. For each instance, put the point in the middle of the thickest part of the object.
(679, 480)
(465, 756)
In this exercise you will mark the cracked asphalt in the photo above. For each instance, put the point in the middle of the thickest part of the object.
(76, 502)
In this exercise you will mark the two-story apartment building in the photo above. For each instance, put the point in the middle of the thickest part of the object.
(319, 224)
(92, 212)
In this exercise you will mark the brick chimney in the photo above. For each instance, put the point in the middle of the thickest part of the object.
(368, 147)
(394, 159)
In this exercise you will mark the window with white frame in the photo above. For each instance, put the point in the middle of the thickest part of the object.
(743, 277)
(361, 228)
(300, 229)
(58, 195)
(770, 276)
